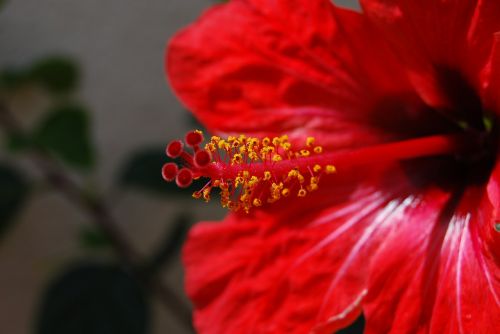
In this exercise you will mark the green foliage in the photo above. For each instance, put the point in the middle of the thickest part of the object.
(13, 192)
(171, 244)
(66, 133)
(58, 74)
(93, 239)
(94, 298)
(13, 78)
(143, 172)
(18, 142)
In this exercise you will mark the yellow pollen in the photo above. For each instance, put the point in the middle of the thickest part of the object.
(206, 194)
(330, 169)
(237, 159)
(277, 158)
(250, 172)
(210, 147)
(305, 153)
(310, 141)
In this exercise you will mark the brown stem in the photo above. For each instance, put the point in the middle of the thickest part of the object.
(102, 217)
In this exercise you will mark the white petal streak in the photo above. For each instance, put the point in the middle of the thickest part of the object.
(392, 209)
(463, 226)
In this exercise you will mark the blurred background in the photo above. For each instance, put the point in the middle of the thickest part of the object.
(89, 233)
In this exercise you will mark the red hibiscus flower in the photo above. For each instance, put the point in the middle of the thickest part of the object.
(403, 100)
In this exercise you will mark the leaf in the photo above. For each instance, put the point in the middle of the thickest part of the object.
(58, 74)
(16, 142)
(94, 298)
(171, 244)
(12, 78)
(13, 193)
(66, 133)
(143, 172)
(93, 239)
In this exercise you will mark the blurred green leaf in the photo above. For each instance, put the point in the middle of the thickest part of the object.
(58, 74)
(18, 142)
(13, 193)
(93, 239)
(143, 172)
(94, 299)
(12, 78)
(66, 132)
(171, 245)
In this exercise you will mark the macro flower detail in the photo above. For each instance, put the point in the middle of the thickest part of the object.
(400, 104)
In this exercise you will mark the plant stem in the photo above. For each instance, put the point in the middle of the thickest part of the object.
(96, 208)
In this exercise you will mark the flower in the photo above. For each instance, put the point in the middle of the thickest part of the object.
(404, 101)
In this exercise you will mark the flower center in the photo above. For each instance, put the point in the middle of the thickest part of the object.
(251, 172)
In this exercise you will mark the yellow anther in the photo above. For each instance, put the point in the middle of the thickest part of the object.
(221, 143)
(237, 159)
(318, 149)
(243, 149)
(314, 180)
(276, 141)
(238, 180)
(305, 153)
(253, 181)
(206, 194)
(310, 141)
(293, 173)
(312, 187)
(253, 155)
(316, 168)
(267, 175)
(286, 146)
(300, 178)
(236, 143)
(330, 169)
(302, 193)
(266, 141)
(215, 139)
(210, 147)
(257, 202)
(196, 194)
(285, 192)
(246, 174)
(277, 158)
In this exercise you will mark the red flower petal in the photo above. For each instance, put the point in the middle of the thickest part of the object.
(294, 270)
(441, 42)
(255, 66)
(434, 273)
